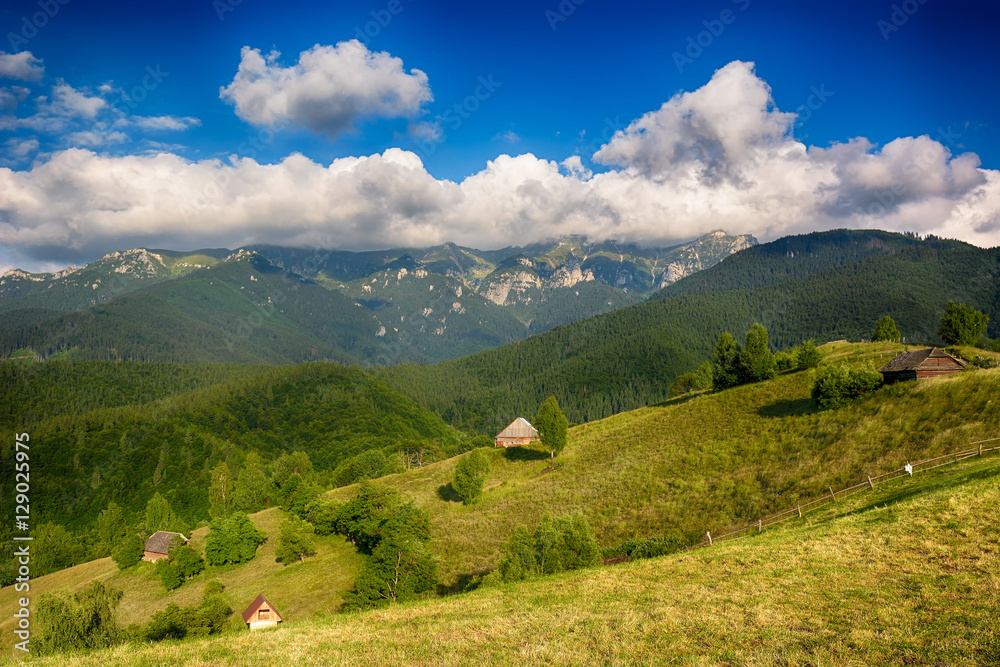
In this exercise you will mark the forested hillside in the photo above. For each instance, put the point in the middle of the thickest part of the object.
(126, 454)
(824, 286)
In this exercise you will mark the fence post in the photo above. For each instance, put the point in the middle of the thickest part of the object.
(833, 495)
(709, 533)
(799, 508)
(760, 525)
(871, 482)
(980, 449)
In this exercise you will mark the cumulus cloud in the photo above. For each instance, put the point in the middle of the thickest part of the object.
(22, 65)
(327, 90)
(713, 131)
(718, 157)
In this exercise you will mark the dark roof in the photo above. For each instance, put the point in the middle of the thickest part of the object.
(911, 361)
(519, 428)
(159, 542)
(259, 601)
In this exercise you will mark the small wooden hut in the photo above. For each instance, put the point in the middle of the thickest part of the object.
(159, 543)
(261, 614)
(518, 432)
(921, 365)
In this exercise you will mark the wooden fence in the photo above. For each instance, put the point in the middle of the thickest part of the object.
(833, 496)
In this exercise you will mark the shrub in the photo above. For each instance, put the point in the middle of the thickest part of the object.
(841, 383)
(786, 359)
(470, 475)
(646, 547)
(693, 381)
(83, 620)
(558, 544)
(169, 574)
(176, 622)
(213, 587)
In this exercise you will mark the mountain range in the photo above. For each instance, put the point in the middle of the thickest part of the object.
(283, 305)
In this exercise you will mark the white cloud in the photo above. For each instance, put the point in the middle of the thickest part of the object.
(719, 157)
(17, 150)
(508, 137)
(329, 88)
(68, 101)
(21, 65)
(426, 131)
(98, 137)
(712, 130)
(171, 123)
(11, 97)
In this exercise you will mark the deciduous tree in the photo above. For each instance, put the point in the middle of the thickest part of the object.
(296, 540)
(885, 330)
(470, 475)
(962, 325)
(551, 424)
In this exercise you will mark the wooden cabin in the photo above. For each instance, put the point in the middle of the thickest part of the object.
(159, 543)
(261, 614)
(518, 432)
(921, 365)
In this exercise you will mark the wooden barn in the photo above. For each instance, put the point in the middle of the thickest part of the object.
(261, 614)
(518, 432)
(921, 365)
(158, 545)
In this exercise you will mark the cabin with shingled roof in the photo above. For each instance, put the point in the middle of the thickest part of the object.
(922, 365)
(159, 544)
(518, 432)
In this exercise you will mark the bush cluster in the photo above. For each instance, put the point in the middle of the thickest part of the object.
(558, 544)
(841, 383)
(645, 547)
(393, 533)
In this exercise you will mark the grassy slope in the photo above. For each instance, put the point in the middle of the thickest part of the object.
(906, 574)
(299, 590)
(703, 463)
(687, 465)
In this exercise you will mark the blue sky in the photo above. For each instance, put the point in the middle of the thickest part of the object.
(110, 86)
